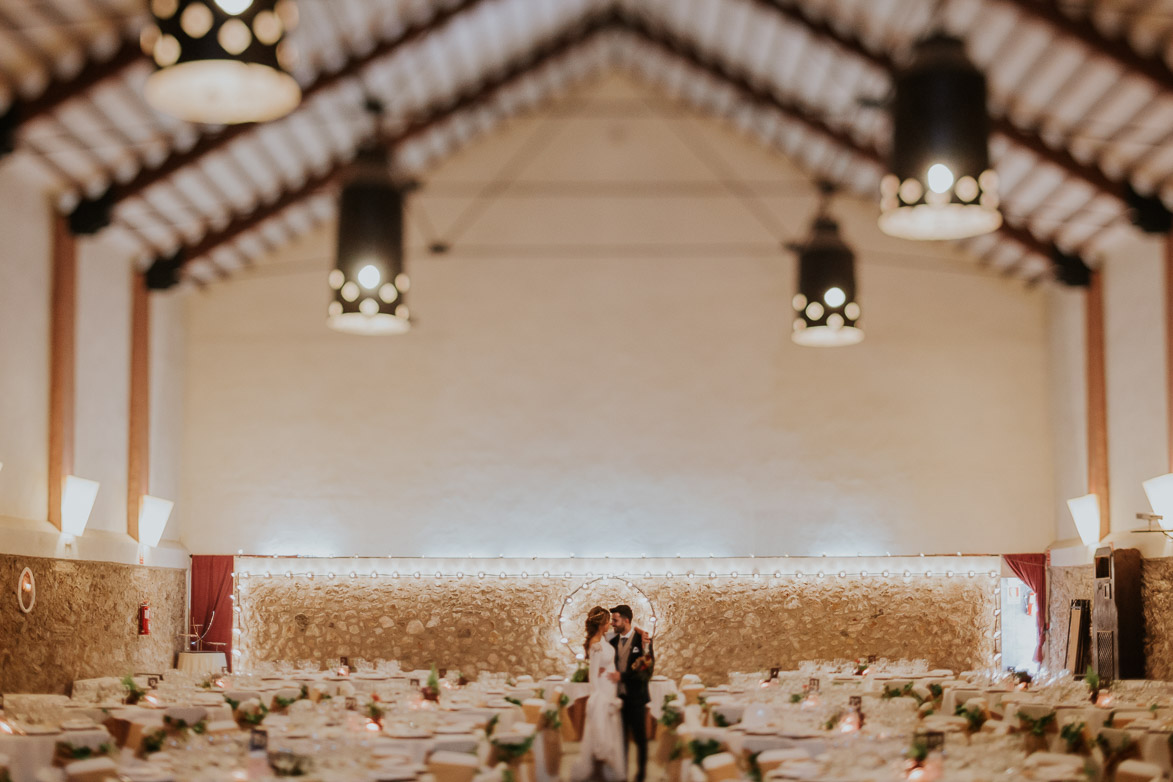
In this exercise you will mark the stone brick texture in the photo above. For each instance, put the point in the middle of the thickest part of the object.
(85, 622)
(1067, 583)
(704, 626)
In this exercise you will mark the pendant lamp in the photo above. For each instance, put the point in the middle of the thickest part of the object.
(940, 184)
(826, 306)
(221, 61)
(368, 282)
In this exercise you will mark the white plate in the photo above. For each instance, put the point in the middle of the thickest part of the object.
(41, 730)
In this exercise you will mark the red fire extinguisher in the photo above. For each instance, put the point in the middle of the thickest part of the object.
(144, 618)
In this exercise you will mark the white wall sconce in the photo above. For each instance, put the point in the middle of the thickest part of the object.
(152, 519)
(1159, 490)
(1085, 511)
(77, 502)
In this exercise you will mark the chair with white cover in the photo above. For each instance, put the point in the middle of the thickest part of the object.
(452, 766)
(189, 714)
(455, 743)
(101, 690)
(533, 708)
(720, 767)
(773, 758)
(1138, 771)
(91, 770)
(692, 692)
(730, 712)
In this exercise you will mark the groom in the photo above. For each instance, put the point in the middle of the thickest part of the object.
(634, 661)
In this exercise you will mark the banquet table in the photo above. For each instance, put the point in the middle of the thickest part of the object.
(201, 663)
(29, 754)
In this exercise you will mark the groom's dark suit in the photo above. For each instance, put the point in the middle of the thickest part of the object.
(633, 691)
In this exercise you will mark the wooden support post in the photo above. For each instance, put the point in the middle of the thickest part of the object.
(62, 362)
(139, 429)
(1097, 400)
(1169, 347)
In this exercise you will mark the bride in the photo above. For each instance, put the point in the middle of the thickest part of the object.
(601, 754)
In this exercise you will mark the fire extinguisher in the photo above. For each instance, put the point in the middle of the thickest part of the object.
(144, 618)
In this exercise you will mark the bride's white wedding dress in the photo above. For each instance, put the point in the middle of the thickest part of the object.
(602, 734)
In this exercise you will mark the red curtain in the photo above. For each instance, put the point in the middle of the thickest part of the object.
(1032, 570)
(211, 602)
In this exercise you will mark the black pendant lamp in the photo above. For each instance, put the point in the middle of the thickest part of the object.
(826, 306)
(940, 185)
(221, 61)
(368, 282)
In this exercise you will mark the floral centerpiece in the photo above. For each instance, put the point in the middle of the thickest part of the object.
(581, 674)
(1076, 738)
(861, 667)
(65, 752)
(252, 713)
(431, 690)
(975, 717)
(1094, 684)
(134, 693)
(670, 719)
(375, 711)
(1036, 729)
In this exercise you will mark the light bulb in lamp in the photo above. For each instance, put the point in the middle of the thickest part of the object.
(1085, 512)
(77, 502)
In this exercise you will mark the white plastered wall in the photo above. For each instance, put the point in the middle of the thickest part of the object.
(102, 383)
(614, 375)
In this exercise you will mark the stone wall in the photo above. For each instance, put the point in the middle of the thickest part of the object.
(1157, 588)
(85, 622)
(1064, 584)
(1068, 583)
(705, 626)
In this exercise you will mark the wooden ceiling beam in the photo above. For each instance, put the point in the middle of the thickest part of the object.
(1083, 29)
(438, 112)
(487, 90)
(1029, 139)
(61, 90)
(217, 140)
(755, 92)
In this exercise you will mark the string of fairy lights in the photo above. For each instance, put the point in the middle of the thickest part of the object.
(755, 575)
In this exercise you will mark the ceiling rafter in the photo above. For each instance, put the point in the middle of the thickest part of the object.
(755, 92)
(92, 72)
(440, 111)
(219, 139)
(1028, 139)
(562, 44)
(1084, 29)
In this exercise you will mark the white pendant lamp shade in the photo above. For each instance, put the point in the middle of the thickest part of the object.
(826, 307)
(221, 61)
(940, 184)
(368, 282)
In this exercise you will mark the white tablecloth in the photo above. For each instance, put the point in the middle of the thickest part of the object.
(29, 754)
(201, 663)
